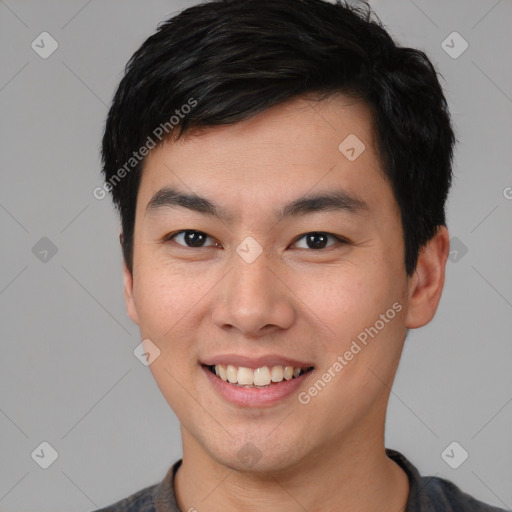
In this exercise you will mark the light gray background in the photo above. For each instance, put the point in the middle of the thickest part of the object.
(68, 375)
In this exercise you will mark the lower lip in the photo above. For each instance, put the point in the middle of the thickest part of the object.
(255, 397)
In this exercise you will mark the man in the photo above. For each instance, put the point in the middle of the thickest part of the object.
(281, 170)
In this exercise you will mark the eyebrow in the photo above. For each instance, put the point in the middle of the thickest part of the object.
(326, 201)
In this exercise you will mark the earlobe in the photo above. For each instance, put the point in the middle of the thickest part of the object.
(131, 307)
(426, 284)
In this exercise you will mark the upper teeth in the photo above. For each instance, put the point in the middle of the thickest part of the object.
(260, 377)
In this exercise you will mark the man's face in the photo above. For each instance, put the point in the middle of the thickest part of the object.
(304, 299)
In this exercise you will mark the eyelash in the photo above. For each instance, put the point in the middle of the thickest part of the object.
(339, 239)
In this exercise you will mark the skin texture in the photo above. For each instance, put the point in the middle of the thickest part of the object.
(293, 300)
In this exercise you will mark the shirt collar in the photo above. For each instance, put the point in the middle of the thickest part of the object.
(418, 501)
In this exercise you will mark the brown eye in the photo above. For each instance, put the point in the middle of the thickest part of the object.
(317, 240)
(191, 238)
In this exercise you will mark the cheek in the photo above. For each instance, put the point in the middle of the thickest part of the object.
(162, 297)
(347, 301)
(343, 297)
(164, 301)
(350, 301)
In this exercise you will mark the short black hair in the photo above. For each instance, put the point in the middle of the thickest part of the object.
(223, 61)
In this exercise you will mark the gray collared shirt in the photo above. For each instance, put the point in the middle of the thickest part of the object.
(426, 494)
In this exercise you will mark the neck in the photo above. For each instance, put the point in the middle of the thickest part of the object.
(353, 473)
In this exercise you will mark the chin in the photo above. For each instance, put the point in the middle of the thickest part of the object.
(259, 455)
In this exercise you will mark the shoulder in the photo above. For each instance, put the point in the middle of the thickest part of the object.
(147, 499)
(446, 496)
(434, 494)
(140, 501)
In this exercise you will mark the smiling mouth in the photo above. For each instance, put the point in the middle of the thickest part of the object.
(263, 377)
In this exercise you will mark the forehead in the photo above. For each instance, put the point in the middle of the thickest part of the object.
(301, 146)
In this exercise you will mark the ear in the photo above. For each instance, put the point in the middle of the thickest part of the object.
(128, 290)
(426, 284)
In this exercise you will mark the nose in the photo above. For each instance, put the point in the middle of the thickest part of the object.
(253, 299)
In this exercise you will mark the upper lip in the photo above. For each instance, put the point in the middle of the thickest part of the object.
(255, 362)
